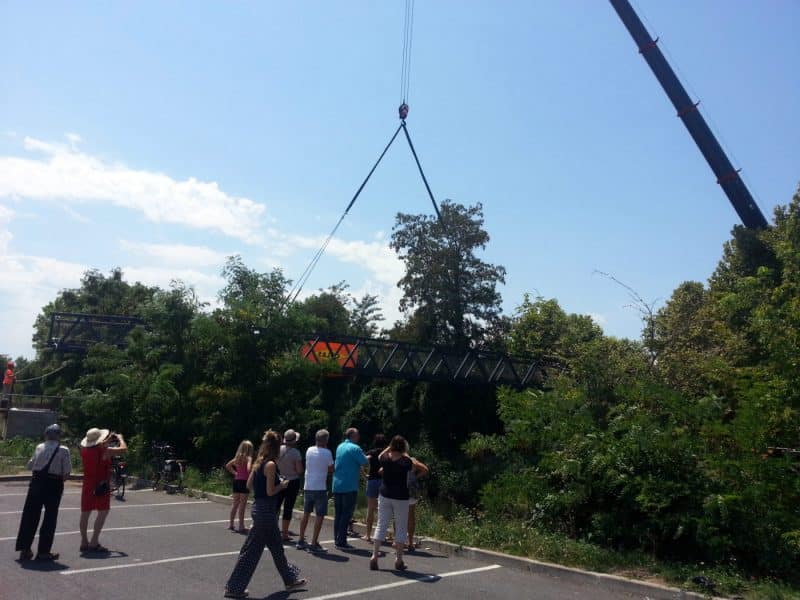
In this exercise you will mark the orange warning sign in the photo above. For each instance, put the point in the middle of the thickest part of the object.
(346, 355)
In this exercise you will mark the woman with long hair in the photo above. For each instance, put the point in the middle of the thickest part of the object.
(239, 467)
(393, 500)
(266, 484)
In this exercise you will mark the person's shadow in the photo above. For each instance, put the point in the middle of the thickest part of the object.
(103, 555)
(284, 594)
(329, 556)
(43, 565)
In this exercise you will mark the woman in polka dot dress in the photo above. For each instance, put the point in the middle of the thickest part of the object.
(266, 485)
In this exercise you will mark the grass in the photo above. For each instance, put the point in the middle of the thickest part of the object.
(16, 452)
(515, 538)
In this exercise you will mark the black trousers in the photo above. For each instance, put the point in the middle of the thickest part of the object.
(263, 532)
(288, 497)
(43, 492)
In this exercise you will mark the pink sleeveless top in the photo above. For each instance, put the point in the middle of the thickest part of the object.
(241, 472)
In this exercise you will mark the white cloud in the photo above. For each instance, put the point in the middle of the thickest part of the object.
(64, 173)
(598, 318)
(376, 257)
(177, 254)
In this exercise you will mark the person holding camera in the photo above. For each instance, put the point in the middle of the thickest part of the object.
(97, 448)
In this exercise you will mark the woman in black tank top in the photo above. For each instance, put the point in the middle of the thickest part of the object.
(266, 484)
(393, 500)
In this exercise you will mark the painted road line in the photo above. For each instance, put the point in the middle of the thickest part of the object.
(19, 512)
(159, 526)
(159, 562)
(387, 586)
(71, 493)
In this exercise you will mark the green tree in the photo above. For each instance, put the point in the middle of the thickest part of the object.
(450, 293)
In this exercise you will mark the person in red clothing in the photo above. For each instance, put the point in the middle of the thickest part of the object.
(8, 384)
(96, 453)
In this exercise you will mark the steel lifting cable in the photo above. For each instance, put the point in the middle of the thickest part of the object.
(301, 281)
(405, 78)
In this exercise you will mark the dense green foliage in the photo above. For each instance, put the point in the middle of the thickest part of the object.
(659, 445)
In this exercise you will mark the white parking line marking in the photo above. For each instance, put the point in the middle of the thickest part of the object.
(105, 529)
(149, 563)
(386, 586)
(19, 512)
(159, 562)
(72, 493)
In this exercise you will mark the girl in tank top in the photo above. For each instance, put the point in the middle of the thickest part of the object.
(239, 467)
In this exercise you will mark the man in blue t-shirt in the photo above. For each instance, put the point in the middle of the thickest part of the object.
(346, 470)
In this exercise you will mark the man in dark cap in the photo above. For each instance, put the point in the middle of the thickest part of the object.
(51, 466)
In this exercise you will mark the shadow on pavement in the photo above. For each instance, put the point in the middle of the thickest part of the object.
(42, 565)
(329, 556)
(104, 555)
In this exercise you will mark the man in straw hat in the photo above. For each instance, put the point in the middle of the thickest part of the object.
(50, 465)
(96, 456)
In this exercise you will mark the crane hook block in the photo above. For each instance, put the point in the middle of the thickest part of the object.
(403, 110)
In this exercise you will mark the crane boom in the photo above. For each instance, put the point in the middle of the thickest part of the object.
(727, 176)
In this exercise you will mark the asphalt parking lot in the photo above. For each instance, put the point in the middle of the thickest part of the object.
(172, 546)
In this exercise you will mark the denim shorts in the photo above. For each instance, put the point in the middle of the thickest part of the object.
(316, 500)
(373, 488)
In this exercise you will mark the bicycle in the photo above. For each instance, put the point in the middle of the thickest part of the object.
(119, 471)
(167, 471)
(119, 474)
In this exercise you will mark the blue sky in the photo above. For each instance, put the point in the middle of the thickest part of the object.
(161, 137)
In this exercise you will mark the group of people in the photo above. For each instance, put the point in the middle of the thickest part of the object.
(274, 477)
(51, 466)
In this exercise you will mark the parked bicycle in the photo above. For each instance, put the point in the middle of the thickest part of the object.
(166, 470)
(119, 473)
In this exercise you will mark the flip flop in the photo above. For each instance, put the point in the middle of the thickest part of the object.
(98, 548)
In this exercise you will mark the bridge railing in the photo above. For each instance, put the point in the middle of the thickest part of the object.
(30, 401)
(382, 358)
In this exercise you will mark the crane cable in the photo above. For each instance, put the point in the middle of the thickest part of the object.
(301, 281)
(405, 65)
(405, 81)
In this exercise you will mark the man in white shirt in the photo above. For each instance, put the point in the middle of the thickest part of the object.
(51, 466)
(319, 464)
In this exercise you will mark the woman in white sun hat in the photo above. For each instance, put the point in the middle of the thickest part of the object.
(96, 456)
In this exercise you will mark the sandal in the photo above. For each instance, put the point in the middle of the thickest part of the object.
(98, 548)
(243, 594)
(297, 583)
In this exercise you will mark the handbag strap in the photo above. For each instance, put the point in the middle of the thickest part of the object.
(49, 462)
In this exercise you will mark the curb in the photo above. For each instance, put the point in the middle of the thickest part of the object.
(72, 477)
(614, 583)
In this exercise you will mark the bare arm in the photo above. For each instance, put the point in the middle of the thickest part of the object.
(250, 480)
(230, 466)
(121, 449)
(272, 489)
(421, 468)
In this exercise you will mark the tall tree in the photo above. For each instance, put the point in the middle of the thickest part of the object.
(449, 293)
(365, 316)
